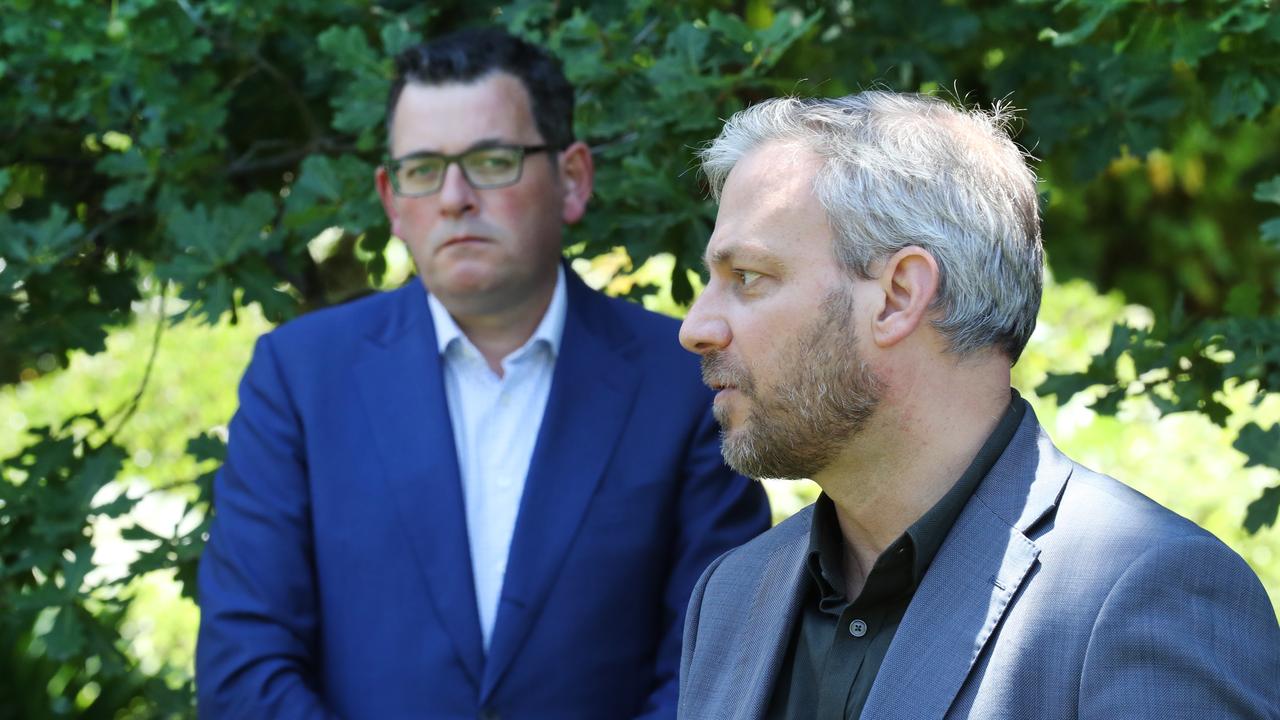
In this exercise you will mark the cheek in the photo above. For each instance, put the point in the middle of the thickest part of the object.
(528, 215)
(772, 351)
(535, 194)
(412, 219)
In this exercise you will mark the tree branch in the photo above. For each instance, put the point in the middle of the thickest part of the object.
(299, 102)
(127, 411)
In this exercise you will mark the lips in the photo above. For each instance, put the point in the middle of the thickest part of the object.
(724, 395)
(462, 240)
(723, 375)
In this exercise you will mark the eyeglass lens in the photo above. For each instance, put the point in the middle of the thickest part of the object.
(483, 167)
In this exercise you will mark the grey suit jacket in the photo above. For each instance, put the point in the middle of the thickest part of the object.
(1059, 593)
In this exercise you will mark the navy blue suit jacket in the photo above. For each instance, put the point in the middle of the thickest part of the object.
(337, 579)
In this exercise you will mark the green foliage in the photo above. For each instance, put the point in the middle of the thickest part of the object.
(1261, 448)
(190, 386)
(60, 626)
(1269, 191)
(1182, 460)
(226, 150)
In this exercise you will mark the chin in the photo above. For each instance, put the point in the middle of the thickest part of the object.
(729, 417)
(468, 278)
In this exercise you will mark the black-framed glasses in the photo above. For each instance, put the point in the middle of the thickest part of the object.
(491, 166)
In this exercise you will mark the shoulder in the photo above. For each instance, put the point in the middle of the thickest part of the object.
(630, 318)
(1134, 552)
(646, 340)
(1072, 511)
(1101, 526)
(1170, 585)
(1131, 530)
(1106, 507)
(337, 330)
(1093, 533)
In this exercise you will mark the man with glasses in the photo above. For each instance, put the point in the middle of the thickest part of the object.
(487, 494)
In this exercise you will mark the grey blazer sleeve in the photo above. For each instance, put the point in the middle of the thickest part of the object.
(1186, 632)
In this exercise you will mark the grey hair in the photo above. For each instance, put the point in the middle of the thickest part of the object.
(906, 169)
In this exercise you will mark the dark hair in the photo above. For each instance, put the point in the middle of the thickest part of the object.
(468, 55)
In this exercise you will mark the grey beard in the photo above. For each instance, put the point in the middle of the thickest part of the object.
(824, 396)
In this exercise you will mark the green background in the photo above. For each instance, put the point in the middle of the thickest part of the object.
(178, 176)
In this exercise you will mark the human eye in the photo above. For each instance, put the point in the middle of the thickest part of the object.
(421, 167)
(746, 278)
(496, 159)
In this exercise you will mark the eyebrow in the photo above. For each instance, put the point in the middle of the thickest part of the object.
(744, 251)
(477, 145)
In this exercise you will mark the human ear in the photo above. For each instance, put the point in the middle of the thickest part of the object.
(577, 177)
(388, 197)
(908, 284)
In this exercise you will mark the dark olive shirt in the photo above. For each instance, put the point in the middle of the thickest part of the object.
(837, 646)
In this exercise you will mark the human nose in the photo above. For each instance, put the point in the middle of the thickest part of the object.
(457, 197)
(704, 329)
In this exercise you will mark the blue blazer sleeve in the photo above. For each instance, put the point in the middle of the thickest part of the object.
(257, 584)
(718, 511)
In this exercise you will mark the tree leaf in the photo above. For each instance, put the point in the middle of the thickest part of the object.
(1271, 231)
(1259, 446)
(1244, 300)
(1268, 191)
(1192, 41)
(396, 36)
(217, 237)
(347, 48)
(207, 446)
(1263, 511)
(67, 637)
(1240, 96)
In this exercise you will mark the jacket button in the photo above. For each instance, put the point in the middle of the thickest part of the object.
(487, 714)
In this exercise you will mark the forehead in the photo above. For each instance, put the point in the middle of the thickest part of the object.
(454, 116)
(768, 208)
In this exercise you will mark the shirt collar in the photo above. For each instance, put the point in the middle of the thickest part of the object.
(925, 536)
(549, 331)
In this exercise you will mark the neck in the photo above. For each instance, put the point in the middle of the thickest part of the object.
(498, 333)
(926, 431)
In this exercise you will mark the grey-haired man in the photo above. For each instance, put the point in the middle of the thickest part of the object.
(875, 270)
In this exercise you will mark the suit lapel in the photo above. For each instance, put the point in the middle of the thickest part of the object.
(403, 391)
(592, 390)
(976, 574)
(958, 605)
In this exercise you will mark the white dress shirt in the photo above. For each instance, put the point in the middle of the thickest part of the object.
(495, 425)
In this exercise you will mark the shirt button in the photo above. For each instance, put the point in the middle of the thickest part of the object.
(857, 628)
